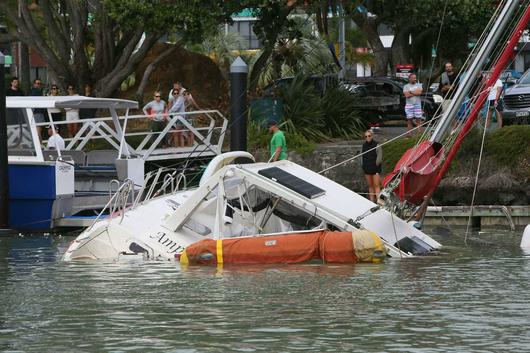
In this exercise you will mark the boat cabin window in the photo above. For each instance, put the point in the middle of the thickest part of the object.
(19, 138)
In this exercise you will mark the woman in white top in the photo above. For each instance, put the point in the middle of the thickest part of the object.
(494, 97)
(72, 114)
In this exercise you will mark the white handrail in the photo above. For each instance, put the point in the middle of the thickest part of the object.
(150, 146)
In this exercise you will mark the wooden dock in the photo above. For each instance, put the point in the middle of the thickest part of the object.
(481, 216)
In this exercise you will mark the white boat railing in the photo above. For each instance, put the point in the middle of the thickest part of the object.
(118, 202)
(160, 182)
(206, 127)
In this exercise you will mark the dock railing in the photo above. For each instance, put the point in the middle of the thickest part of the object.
(202, 131)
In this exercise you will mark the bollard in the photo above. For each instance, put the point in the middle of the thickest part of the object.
(238, 105)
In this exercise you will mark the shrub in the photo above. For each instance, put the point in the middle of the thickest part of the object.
(342, 117)
(319, 118)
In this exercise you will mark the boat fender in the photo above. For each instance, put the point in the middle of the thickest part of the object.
(525, 240)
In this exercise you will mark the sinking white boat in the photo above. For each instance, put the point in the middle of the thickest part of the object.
(239, 198)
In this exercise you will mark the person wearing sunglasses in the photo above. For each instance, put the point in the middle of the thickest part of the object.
(372, 159)
(72, 114)
(156, 111)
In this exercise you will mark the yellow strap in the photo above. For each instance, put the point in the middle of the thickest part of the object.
(219, 251)
(184, 258)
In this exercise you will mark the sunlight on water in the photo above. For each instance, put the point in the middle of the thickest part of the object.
(467, 299)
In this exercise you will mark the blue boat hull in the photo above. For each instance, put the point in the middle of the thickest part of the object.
(32, 192)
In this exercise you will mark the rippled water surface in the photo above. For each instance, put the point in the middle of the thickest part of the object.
(470, 299)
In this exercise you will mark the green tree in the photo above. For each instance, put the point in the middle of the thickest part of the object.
(101, 42)
(420, 20)
(273, 22)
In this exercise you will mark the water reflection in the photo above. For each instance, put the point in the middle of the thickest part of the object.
(470, 299)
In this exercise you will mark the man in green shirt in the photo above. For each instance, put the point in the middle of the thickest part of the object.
(278, 144)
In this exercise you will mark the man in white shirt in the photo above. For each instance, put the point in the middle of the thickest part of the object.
(55, 142)
(493, 101)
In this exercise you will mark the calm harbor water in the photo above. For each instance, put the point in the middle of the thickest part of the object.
(470, 299)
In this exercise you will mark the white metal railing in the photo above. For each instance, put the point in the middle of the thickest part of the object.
(160, 182)
(118, 202)
(208, 134)
(125, 193)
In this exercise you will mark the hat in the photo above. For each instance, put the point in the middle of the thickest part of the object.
(50, 126)
(270, 123)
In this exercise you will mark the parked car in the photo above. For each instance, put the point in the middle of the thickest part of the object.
(516, 107)
(370, 105)
(320, 84)
(392, 87)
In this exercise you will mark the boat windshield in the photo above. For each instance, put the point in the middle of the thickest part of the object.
(19, 137)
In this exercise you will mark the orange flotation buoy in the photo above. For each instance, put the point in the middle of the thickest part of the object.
(328, 246)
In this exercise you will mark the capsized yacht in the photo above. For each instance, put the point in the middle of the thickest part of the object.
(237, 198)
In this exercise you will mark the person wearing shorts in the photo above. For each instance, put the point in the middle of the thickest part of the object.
(413, 111)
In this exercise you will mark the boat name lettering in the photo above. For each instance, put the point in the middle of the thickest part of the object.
(270, 243)
(164, 240)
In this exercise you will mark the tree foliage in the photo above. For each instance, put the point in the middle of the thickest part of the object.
(101, 42)
(460, 22)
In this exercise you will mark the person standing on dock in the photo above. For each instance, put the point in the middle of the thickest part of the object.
(72, 114)
(494, 97)
(448, 85)
(39, 114)
(413, 111)
(177, 86)
(87, 113)
(157, 113)
(278, 142)
(177, 105)
(14, 89)
(372, 160)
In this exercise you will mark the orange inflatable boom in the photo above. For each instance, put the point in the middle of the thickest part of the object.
(327, 246)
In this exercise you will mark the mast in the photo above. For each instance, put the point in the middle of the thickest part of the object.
(499, 66)
(420, 169)
(476, 66)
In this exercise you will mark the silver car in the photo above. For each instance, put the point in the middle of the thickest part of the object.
(516, 108)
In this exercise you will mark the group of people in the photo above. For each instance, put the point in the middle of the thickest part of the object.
(447, 87)
(55, 141)
(159, 112)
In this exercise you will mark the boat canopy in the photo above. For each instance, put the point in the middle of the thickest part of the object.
(74, 102)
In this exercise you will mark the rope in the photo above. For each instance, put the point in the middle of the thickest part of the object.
(476, 183)
(378, 145)
(395, 233)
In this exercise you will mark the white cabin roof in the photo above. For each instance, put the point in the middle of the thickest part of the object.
(76, 102)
